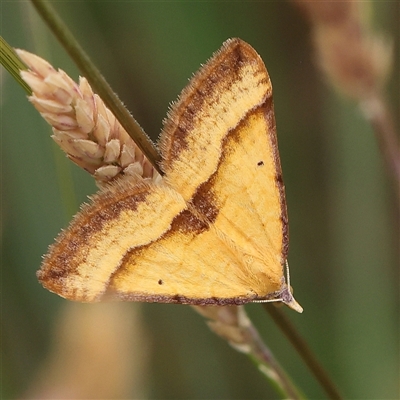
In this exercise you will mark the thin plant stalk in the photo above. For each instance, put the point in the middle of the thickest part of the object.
(97, 81)
(357, 61)
(233, 325)
(303, 349)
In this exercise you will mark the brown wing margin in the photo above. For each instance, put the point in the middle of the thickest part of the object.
(268, 108)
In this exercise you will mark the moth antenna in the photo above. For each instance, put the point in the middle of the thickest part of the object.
(287, 274)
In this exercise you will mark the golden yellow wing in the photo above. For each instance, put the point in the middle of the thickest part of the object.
(126, 215)
(141, 242)
(220, 138)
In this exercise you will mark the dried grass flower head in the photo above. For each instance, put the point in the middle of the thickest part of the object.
(82, 125)
(353, 57)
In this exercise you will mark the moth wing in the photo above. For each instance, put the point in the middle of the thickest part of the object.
(219, 150)
(232, 83)
(125, 215)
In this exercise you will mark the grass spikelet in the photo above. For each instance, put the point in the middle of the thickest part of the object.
(82, 125)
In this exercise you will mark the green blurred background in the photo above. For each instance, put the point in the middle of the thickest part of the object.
(343, 209)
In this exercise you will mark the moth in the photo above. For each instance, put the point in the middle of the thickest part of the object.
(214, 231)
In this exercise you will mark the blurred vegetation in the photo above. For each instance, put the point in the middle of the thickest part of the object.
(343, 208)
